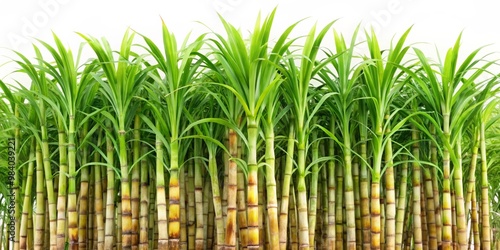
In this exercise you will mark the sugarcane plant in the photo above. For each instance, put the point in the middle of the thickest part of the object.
(249, 141)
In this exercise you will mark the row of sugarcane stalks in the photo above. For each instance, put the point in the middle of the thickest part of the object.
(233, 142)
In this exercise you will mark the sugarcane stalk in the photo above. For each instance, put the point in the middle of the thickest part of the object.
(109, 230)
(135, 183)
(365, 191)
(332, 230)
(119, 225)
(252, 188)
(339, 213)
(216, 196)
(285, 193)
(475, 221)
(313, 189)
(272, 203)
(198, 186)
(145, 195)
(262, 221)
(294, 240)
(161, 203)
(485, 204)
(454, 220)
(91, 227)
(211, 243)
(357, 201)
(182, 200)
(98, 200)
(430, 213)
(425, 234)
(241, 203)
(191, 210)
(39, 223)
(459, 197)
(27, 203)
(232, 189)
(390, 207)
(447, 214)
(49, 185)
(435, 188)
(416, 181)
(401, 208)
(83, 206)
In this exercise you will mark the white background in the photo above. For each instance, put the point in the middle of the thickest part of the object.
(435, 23)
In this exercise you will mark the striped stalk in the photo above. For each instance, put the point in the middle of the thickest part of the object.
(109, 230)
(145, 200)
(232, 190)
(485, 203)
(27, 203)
(401, 207)
(416, 181)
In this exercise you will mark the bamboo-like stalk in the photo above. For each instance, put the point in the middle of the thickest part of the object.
(313, 190)
(232, 189)
(16, 188)
(401, 208)
(459, 196)
(31, 233)
(485, 205)
(430, 213)
(382, 219)
(198, 186)
(83, 206)
(27, 203)
(408, 232)
(72, 200)
(46, 236)
(216, 196)
(252, 186)
(135, 181)
(454, 242)
(98, 200)
(435, 188)
(390, 197)
(471, 180)
(423, 198)
(49, 185)
(225, 161)
(325, 204)
(153, 214)
(211, 243)
(191, 210)
(119, 225)
(39, 224)
(294, 240)
(182, 200)
(109, 230)
(285, 193)
(447, 217)
(272, 203)
(241, 203)
(145, 199)
(161, 203)
(365, 188)
(62, 191)
(357, 201)
(416, 181)
(475, 221)
(332, 230)
(91, 227)
(262, 215)
(339, 228)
